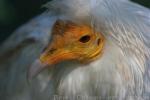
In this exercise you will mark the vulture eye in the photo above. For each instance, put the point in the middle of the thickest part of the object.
(85, 39)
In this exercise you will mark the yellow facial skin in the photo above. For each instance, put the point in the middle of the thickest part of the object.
(73, 42)
(69, 42)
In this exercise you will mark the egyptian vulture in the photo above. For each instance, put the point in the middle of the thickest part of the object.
(79, 50)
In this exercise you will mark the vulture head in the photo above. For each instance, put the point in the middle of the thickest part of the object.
(98, 49)
(71, 42)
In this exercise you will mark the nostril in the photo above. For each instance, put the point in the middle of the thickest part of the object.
(52, 50)
(98, 41)
(44, 49)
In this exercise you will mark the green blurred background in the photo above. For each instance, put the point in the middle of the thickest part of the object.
(14, 13)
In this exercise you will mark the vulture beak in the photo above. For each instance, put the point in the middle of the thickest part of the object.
(49, 58)
(34, 69)
(69, 42)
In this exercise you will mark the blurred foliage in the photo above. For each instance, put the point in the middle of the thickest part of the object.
(13, 13)
(143, 2)
(6, 9)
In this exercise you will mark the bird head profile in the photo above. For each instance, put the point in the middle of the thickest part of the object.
(109, 41)
(71, 41)
(79, 50)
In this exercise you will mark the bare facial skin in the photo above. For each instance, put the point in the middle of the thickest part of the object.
(71, 42)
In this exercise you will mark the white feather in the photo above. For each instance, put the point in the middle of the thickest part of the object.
(122, 73)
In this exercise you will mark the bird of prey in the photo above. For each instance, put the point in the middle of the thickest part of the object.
(79, 50)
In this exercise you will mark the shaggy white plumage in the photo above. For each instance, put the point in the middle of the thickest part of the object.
(122, 73)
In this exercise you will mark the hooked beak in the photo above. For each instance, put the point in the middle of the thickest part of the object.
(48, 59)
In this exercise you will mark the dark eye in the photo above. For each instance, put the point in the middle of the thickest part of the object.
(85, 39)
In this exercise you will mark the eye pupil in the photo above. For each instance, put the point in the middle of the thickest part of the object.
(85, 39)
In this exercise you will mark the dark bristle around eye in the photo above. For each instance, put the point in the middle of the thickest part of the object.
(85, 39)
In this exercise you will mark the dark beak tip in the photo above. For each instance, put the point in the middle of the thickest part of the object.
(34, 70)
